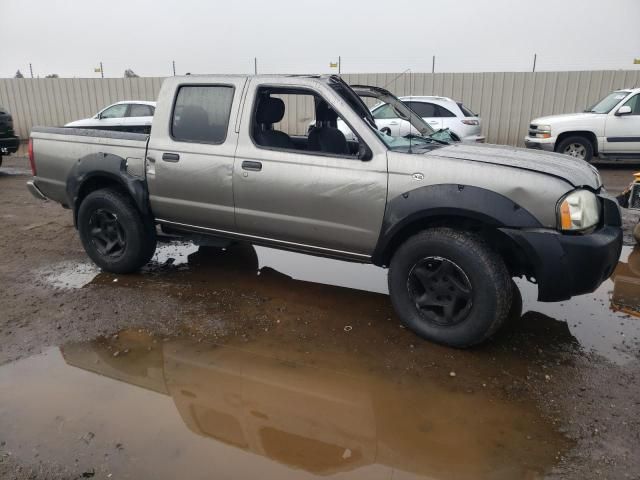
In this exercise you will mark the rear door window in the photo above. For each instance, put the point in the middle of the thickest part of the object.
(140, 110)
(201, 113)
(424, 109)
(384, 112)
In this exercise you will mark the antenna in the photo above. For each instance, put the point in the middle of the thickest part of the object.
(410, 109)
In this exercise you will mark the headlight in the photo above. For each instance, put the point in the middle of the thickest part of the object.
(578, 210)
(543, 131)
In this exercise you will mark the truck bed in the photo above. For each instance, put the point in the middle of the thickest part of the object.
(57, 149)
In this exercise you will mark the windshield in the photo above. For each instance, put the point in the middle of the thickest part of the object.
(412, 129)
(607, 103)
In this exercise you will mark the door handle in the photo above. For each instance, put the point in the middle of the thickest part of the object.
(393, 123)
(171, 157)
(253, 166)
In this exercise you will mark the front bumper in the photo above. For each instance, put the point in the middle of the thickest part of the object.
(547, 144)
(568, 265)
(9, 145)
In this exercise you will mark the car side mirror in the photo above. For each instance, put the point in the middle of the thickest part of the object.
(624, 110)
(364, 152)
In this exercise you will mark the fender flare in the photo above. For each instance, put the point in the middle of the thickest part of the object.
(105, 166)
(447, 200)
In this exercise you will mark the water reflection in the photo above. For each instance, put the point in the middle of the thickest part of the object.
(265, 401)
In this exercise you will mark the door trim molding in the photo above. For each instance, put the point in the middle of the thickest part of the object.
(300, 247)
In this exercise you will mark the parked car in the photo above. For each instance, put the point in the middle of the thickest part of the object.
(128, 116)
(401, 112)
(9, 141)
(438, 112)
(453, 222)
(610, 129)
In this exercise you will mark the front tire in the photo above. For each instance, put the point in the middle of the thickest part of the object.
(114, 233)
(577, 147)
(450, 287)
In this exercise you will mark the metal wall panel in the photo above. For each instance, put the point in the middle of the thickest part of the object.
(506, 101)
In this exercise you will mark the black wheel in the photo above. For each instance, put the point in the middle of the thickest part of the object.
(114, 233)
(450, 287)
(578, 147)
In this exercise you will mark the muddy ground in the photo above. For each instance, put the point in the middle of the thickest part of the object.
(254, 363)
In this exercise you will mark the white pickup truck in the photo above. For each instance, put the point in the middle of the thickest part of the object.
(609, 130)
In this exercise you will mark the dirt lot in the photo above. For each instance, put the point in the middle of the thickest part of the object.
(254, 363)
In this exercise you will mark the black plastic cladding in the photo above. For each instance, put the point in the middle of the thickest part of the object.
(448, 200)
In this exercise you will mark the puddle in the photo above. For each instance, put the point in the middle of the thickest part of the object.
(68, 274)
(605, 322)
(140, 406)
(12, 171)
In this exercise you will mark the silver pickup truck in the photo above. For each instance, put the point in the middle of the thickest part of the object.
(230, 157)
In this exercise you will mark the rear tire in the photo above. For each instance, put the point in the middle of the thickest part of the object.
(577, 147)
(450, 287)
(114, 233)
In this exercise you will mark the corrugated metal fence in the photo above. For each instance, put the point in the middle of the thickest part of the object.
(506, 101)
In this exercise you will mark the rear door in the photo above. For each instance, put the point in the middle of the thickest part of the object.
(428, 111)
(622, 132)
(191, 152)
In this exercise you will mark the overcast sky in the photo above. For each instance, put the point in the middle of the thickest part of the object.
(70, 38)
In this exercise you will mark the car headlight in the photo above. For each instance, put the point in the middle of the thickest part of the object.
(578, 210)
(543, 131)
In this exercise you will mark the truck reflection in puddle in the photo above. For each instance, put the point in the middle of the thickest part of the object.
(263, 400)
(626, 285)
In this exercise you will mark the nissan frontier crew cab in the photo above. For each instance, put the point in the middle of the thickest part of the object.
(231, 157)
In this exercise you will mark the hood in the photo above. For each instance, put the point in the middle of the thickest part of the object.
(574, 118)
(576, 172)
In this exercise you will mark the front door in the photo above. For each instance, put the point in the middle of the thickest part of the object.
(190, 155)
(302, 195)
(622, 132)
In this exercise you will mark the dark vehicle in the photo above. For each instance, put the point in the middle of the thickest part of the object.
(9, 142)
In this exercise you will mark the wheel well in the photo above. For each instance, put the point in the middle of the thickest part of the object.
(581, 133)
(92, 184)
(513, 255)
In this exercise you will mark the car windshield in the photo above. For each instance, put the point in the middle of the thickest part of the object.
(607, 103)
(420, 132)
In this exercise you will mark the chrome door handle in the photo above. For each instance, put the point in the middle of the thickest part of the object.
(393, 123)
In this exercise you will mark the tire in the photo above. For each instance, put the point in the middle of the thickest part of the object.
(636, 233)
(577, 146)
(114, 233)
(470, 292)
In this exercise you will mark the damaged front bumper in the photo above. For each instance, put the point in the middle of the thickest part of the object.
(567, 265)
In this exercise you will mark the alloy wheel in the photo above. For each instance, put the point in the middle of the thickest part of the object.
(107, 235)
(576, 150)
(440, 290)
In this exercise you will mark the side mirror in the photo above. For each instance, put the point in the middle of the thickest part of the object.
(364, 152)
(624, 110)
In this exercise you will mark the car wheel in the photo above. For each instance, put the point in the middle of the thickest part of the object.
(114, 233)
(449, 286)
(578, 147)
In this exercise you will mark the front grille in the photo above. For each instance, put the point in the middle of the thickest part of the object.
(634, 196)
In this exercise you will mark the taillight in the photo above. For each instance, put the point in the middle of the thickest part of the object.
(32, 161)
(470, 122)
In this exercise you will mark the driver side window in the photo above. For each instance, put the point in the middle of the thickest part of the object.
(634, 103)
(115, 111)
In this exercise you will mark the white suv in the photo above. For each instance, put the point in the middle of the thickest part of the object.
(610, 129)
(438, 112)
